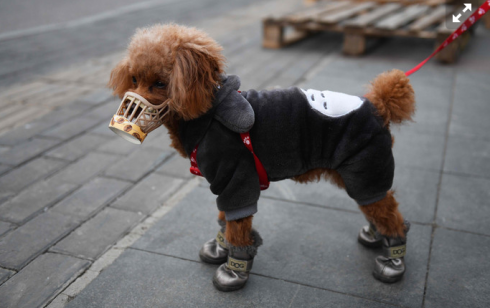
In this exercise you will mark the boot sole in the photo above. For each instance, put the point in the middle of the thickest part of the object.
(212, 261)
(370, 244)
(387, 279)
(225, 288)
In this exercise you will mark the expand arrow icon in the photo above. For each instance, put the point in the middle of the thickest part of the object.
(467, 6)
(456, 18)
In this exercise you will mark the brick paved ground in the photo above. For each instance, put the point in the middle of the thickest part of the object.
(72, 198)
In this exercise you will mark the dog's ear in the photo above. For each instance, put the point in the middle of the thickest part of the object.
(194, 77)
(120, 80)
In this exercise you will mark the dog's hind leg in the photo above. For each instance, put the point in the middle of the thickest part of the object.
(389, 230)
(215, 251)
(385, 216)
(242, 242)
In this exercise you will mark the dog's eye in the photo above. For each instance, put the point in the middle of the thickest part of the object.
(159, 85)
(134, 80)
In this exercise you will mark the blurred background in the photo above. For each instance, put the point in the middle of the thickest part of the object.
(74, 197)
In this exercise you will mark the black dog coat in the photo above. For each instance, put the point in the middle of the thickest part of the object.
(292, 131)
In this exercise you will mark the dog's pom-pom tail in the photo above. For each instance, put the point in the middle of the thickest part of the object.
(393, 96)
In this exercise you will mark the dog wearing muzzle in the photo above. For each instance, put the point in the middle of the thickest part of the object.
(240, 140)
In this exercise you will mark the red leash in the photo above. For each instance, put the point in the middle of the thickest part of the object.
(470, 21)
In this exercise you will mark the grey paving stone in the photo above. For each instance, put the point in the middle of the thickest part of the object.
(177, 166)
(117, 145)
(24, 132)
(471, 109)
(5, 274)
(367, 70)
(5, 227)
(306, 59)
(28, 241)
(103, 130)
(158, 139)
(310, 297)
(459, 270)
(4, 196)
(464, 203)
(431, 108)
(41, 280)
(97, 97)
(105, 111)
(97, 234)
(149, 194)
(142, 279)
(76, 148)
(466, 155)
(304, 244)
(4, 169)
(85, 168)
(418, 150)
(91, 197)
(18, 179)
(26, 151)
(320, 193)
(405, 53)
(415, 190)
(33, 200)
(72, 127)
(137, 164)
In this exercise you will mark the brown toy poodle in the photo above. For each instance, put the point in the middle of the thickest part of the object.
(332, 136)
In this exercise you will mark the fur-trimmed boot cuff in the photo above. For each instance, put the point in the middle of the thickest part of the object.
(251, 250)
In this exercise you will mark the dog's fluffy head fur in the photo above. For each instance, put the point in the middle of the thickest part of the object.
(171, 61)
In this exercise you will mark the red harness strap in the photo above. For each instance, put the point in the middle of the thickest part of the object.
(263, 179)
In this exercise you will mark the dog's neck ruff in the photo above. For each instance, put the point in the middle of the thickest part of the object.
(332, 104)
(263, 178)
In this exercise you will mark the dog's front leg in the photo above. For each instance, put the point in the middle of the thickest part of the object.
(242, 242)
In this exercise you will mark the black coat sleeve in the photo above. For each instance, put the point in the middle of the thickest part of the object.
(229, 167)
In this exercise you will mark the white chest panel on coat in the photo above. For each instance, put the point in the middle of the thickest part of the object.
(332, 104)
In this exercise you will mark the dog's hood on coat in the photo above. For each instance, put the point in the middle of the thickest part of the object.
(230, 108)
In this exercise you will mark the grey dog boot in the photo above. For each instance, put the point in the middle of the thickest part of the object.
(215, 250)
(390, 267)
(233, 275)
(370, 237)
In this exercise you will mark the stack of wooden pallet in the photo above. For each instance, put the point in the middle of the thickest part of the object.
(361, 19)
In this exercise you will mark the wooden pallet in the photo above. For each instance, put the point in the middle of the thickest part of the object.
(361, 19)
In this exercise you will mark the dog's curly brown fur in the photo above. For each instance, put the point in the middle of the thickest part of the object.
(238, 232)
(385, 216)
(186, 60)
(393, 97)
(188, 63)
(318, 174)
